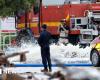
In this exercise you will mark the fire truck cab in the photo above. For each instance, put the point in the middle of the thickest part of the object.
(87, 25)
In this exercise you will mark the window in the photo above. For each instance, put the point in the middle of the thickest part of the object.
(78, 21)
(87, 37)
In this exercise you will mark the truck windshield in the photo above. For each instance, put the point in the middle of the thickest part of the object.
(53, 2)
(61, 2)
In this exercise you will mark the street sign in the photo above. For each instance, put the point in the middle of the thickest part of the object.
(7, 24)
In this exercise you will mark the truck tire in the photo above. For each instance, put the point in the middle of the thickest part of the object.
(73, 39)
(95, 58)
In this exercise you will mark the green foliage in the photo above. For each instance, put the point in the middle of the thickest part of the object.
(36, 9)
(10, 7)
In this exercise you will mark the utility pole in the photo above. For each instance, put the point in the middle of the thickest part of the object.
(40, 12)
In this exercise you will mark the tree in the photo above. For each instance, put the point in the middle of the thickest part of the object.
(15, 8)
(9, 7)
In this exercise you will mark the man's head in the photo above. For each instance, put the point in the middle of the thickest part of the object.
(44, 27)
(63, 21)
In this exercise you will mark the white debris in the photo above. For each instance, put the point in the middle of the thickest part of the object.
(65, 54)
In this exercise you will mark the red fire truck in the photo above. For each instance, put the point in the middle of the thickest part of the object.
(83, 20)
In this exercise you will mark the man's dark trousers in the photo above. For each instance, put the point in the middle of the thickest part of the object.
(45, 54)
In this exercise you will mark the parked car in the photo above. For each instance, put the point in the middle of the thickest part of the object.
(95, 52)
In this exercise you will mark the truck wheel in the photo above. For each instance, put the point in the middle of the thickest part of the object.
(95, 58)
(73, 39)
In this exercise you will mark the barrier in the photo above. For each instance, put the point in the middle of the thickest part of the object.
(4, 35)
(10, 39)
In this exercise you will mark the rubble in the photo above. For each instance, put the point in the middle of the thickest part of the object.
(4, 58)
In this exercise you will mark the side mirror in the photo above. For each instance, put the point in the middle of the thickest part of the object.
(36, 9)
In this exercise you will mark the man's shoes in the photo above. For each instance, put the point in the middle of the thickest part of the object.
(44, 70)
(50, 70)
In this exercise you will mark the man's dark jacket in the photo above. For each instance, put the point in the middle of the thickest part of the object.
(44, 38)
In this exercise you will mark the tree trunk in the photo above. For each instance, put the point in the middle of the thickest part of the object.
(26, 19)
(40, 12)
(15, 21)
(16, 16)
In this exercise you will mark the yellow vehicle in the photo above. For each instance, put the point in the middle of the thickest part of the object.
(95, 52)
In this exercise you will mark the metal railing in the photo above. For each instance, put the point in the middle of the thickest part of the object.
(5, 40)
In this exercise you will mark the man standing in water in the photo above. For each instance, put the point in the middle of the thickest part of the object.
(45, 49)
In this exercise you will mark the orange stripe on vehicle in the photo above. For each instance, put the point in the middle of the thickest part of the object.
(52, 23)
(36, 24)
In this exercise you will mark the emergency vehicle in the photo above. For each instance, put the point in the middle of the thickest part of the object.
(82, 18)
